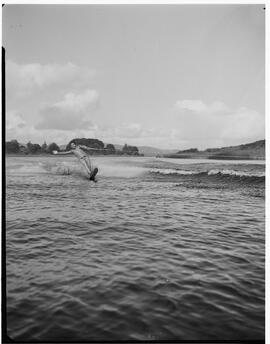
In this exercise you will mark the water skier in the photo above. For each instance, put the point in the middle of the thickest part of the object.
(83, 158)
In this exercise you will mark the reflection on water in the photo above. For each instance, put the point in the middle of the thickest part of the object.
(156, 250)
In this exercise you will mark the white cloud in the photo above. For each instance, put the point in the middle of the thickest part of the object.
(26, 79)
(78, 102)
(14, 121)
(48, 96)
(30, 133)
(199, 107)
(218, 107)
(245, 123)
(192, 105)
(134, 134)
(206, 125)
(17, 128)
(129, 131)
(71, 113)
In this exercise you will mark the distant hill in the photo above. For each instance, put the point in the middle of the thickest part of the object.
(150, 151)
(257, 145)
(253, 150)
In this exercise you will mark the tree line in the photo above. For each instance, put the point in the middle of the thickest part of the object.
(14, 147)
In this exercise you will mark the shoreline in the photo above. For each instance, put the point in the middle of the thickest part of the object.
(209, 157)
(61, 156)
(169, 156)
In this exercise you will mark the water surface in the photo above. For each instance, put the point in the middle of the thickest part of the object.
(158, 249)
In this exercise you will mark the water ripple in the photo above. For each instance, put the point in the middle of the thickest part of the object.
(135, 258)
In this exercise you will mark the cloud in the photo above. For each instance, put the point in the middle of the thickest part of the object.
(134, 134)
(26, 79)
(48, 96)
(192, 105)
(216, 124)
(14, 121)
(198, 106)
(47, 102)
(125, 131)
(29, 133)
(78, 102)
(17, 128)
(129, 131)
(70, 113)
(245, 123)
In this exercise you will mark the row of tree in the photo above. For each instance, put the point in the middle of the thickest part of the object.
(190, 150)
(99, 145)
(14, 147)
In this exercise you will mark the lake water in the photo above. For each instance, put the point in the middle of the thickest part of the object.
(158, 249)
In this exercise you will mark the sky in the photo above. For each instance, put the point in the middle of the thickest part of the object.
(167, 76)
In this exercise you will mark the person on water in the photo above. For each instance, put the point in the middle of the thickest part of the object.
(78, 151)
